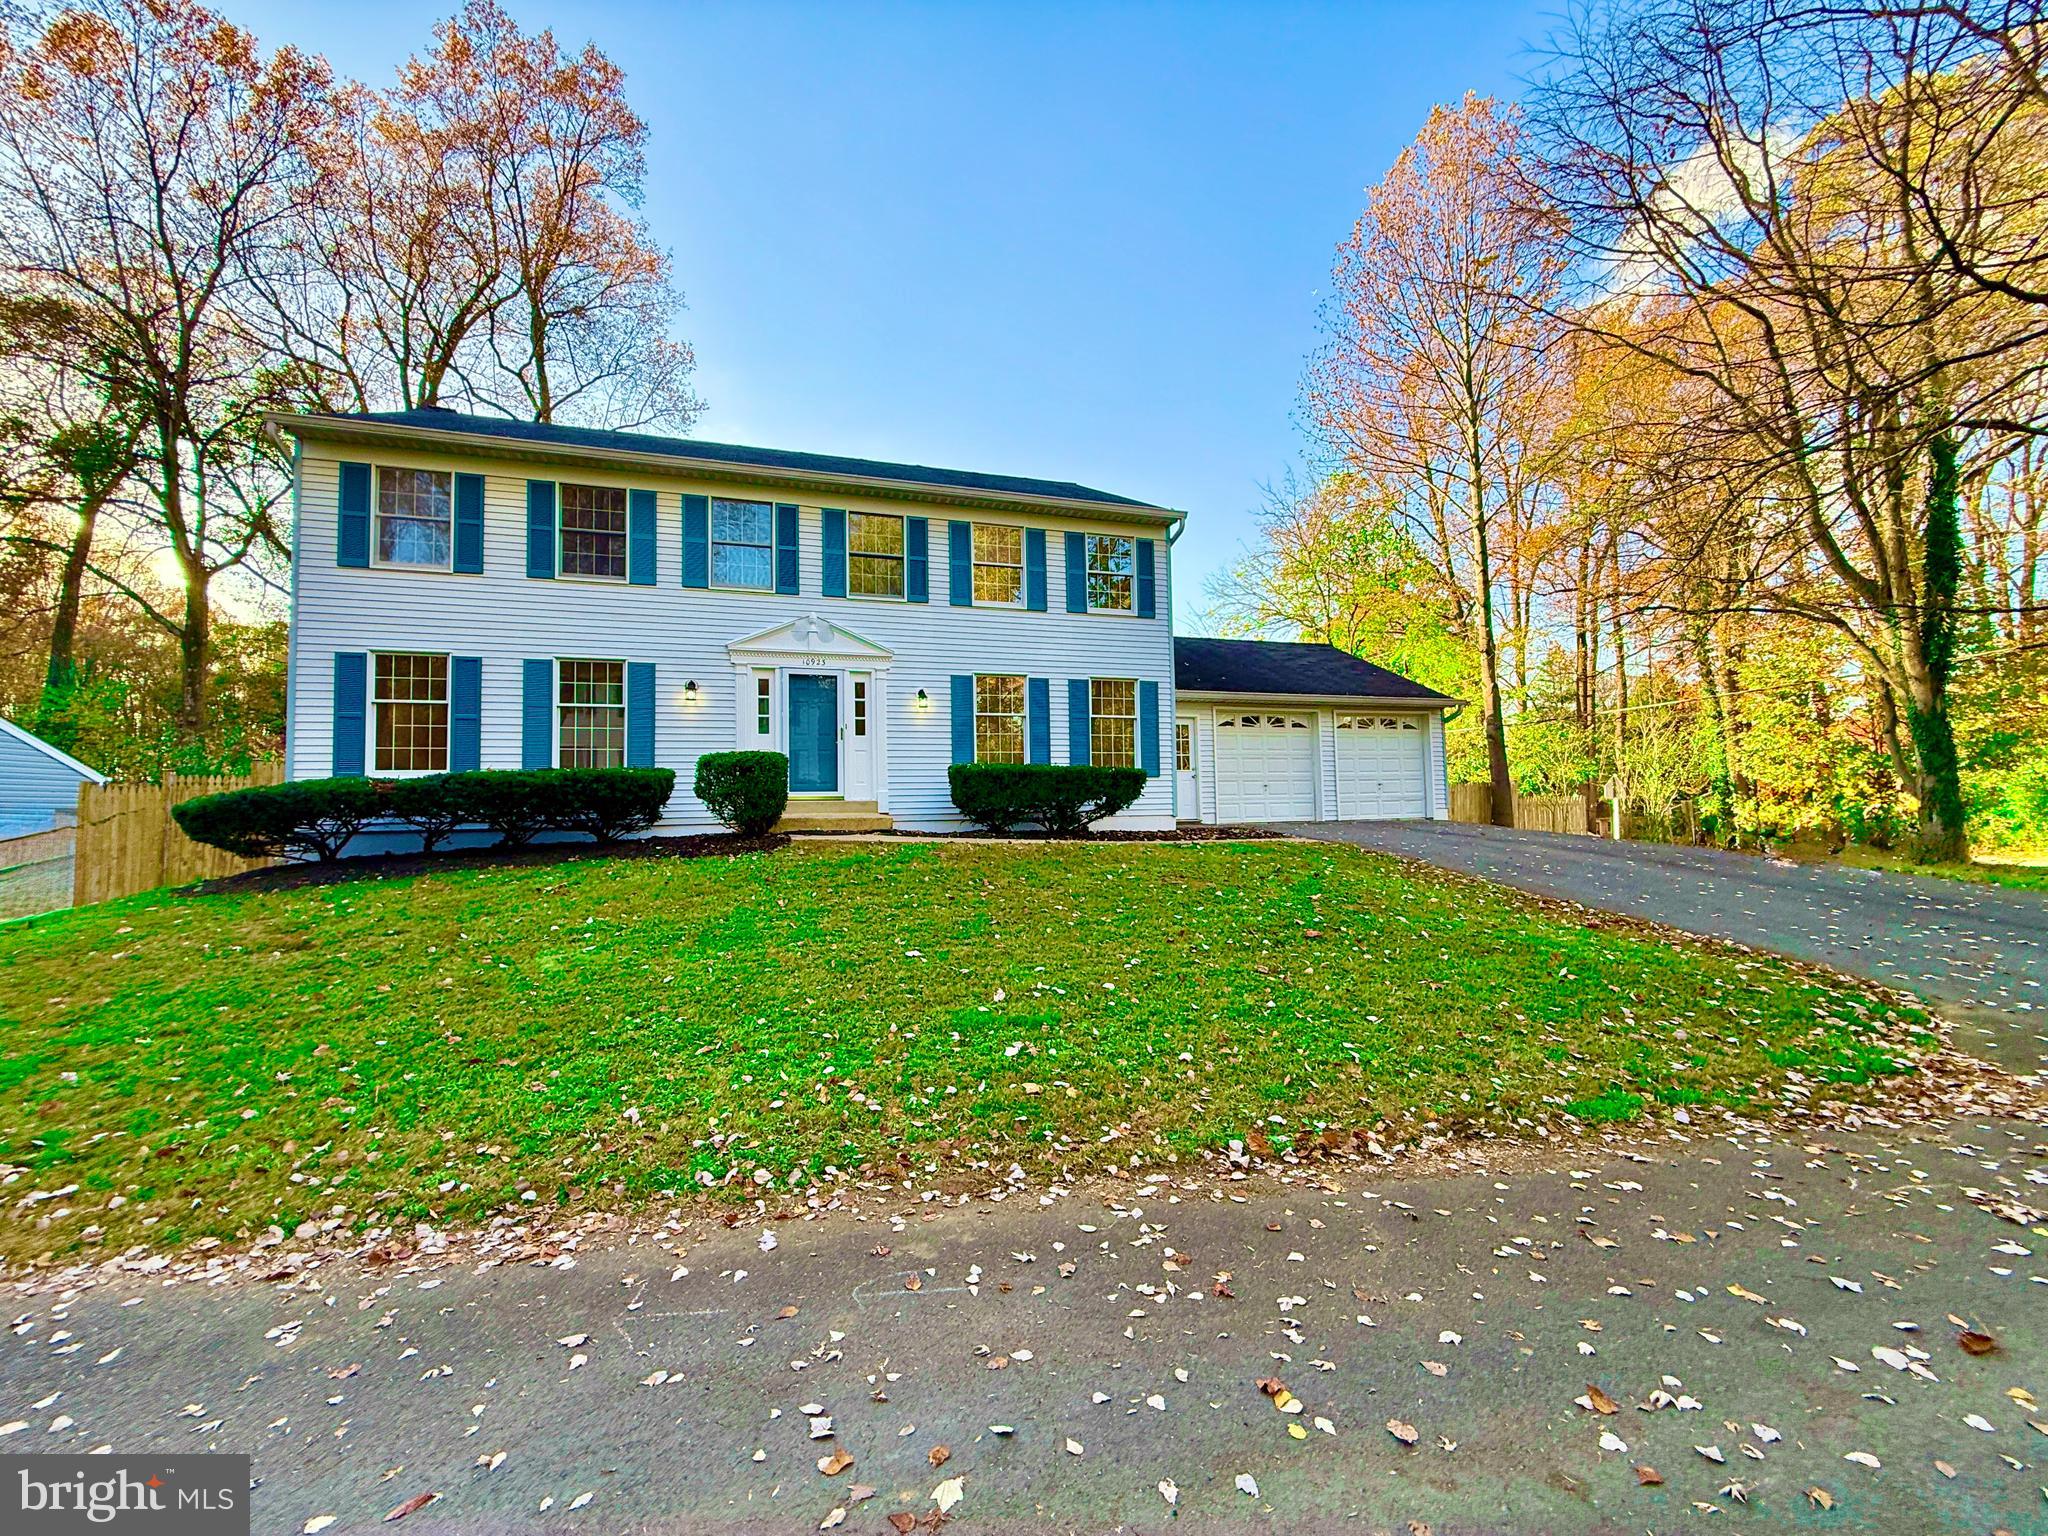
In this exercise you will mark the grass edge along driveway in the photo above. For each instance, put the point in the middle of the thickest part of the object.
(381, 1051)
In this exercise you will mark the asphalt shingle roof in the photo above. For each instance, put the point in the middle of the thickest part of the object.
(1288, 666)
(542, 433)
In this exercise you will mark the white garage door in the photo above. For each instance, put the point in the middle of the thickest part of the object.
(1381, 766)
(1265, 768)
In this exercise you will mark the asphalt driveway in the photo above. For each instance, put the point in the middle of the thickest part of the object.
(1979, 952)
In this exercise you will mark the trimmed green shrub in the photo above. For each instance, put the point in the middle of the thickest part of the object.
(312, 818)
(317, 818)
(748, 791)
(1063, 799)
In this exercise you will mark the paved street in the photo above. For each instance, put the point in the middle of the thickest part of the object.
(1754, 1310)
(1978, 951)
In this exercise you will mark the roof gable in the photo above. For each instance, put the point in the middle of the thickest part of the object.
(1288, 667)
(9, 728)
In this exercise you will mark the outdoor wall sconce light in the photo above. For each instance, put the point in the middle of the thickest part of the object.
(923, 699)
(690, 691)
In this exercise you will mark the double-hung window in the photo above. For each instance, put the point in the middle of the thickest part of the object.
(874, 544)
(998, 563)
(743, 544)
(999, 719)
(594, 531)
(591, 714)
(409, 704)
(415, 517)
(1112, 571)
(1113, 722)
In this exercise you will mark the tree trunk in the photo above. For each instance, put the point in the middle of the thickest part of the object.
(1720, 774)
(195, 648)
(62, 670)
(1490, 717)
(1942, 834)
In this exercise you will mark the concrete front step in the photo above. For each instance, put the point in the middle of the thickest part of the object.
(834, 816)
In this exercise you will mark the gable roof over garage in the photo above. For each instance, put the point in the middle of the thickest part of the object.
(1289, 667)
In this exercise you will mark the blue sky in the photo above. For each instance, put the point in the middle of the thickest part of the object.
(1070, 240)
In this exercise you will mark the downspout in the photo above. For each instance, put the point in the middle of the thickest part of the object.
(1173, 534)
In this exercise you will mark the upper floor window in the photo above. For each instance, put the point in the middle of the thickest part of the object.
(874, 545)
(594, 531)
(999, 719)
(590, 714)
(1112, 571)
(409, 705)
(998, 563)
(415, 516)
(1113, 722)
(743, 544)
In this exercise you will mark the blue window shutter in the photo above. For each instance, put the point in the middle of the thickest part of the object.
(960, 564)
(640, 538)
(917, 559)
(351, 708)
(1148, 728)
(832, 540)
(537, 713)
(469, 524)
(540, 529)
(1078, 750)
(1077, 575)
(1147, 599)
(786, 581)
(1034, 569)
(696, 541)
(352, 539)
(639, 714)
(1038, 719)
(963, 719)
(465, 713)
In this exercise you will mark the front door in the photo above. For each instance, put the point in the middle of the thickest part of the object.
(813, 735)
(1188, 791)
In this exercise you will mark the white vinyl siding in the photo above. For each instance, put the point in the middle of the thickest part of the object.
(504, 617)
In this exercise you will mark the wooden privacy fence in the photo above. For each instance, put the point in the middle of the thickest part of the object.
(127, 841)
(1533, 813)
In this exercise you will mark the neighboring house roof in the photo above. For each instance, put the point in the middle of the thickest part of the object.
(772, 462)
(9, 728)
(1288, 667)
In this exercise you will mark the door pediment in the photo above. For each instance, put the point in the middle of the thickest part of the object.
(807, 638)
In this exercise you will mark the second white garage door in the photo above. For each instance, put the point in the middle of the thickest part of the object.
(1265, 767)
(1380, 766)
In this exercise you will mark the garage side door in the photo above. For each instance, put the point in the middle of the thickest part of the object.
(1265, 767)
(1381, 766)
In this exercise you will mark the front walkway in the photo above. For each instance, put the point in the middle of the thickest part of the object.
(1979, 952)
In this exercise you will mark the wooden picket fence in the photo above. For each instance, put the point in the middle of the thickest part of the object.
(1533, 813)
(127, 841)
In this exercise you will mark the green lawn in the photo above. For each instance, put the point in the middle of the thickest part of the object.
(431, 1048)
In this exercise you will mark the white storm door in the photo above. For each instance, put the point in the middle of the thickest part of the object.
(859, 736)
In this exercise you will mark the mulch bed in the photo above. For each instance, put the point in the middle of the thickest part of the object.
(288, 877)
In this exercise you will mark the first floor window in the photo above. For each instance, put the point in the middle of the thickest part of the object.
(1184, 746)
(415, 512)
(1112, 571)
(743, 544)
(594, 531)
(1113, 722)
(998, 563)
(592, 714)
(860, 706)
(874, 545)
(764, 706)
(999, 719)
(410, 703)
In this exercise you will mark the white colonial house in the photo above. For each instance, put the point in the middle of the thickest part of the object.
(473, 592)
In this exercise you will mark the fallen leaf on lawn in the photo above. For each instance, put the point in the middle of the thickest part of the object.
(1405, 1433)
(1862, 1459)
(1247, 1484)
(1975, 1343)
(1712, 1453)
(1746, 1295)
(786, 1313)
(833, 1520)
(573, 1340)
(903, 1521)
(1978, 1421)
(1597, 1401)
(836, 1463)
(579, 1501)
(1944, 1469)
(1610, 1441)
(1436, 1367)
(1073, 1447)
(1765, 1433)
(317, 1523)
(418, 1501)
(1820, 1498)
(914, 1283)
(1649, 1477)
(1169, 1490)
(947, 1494)
(939, 1455)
